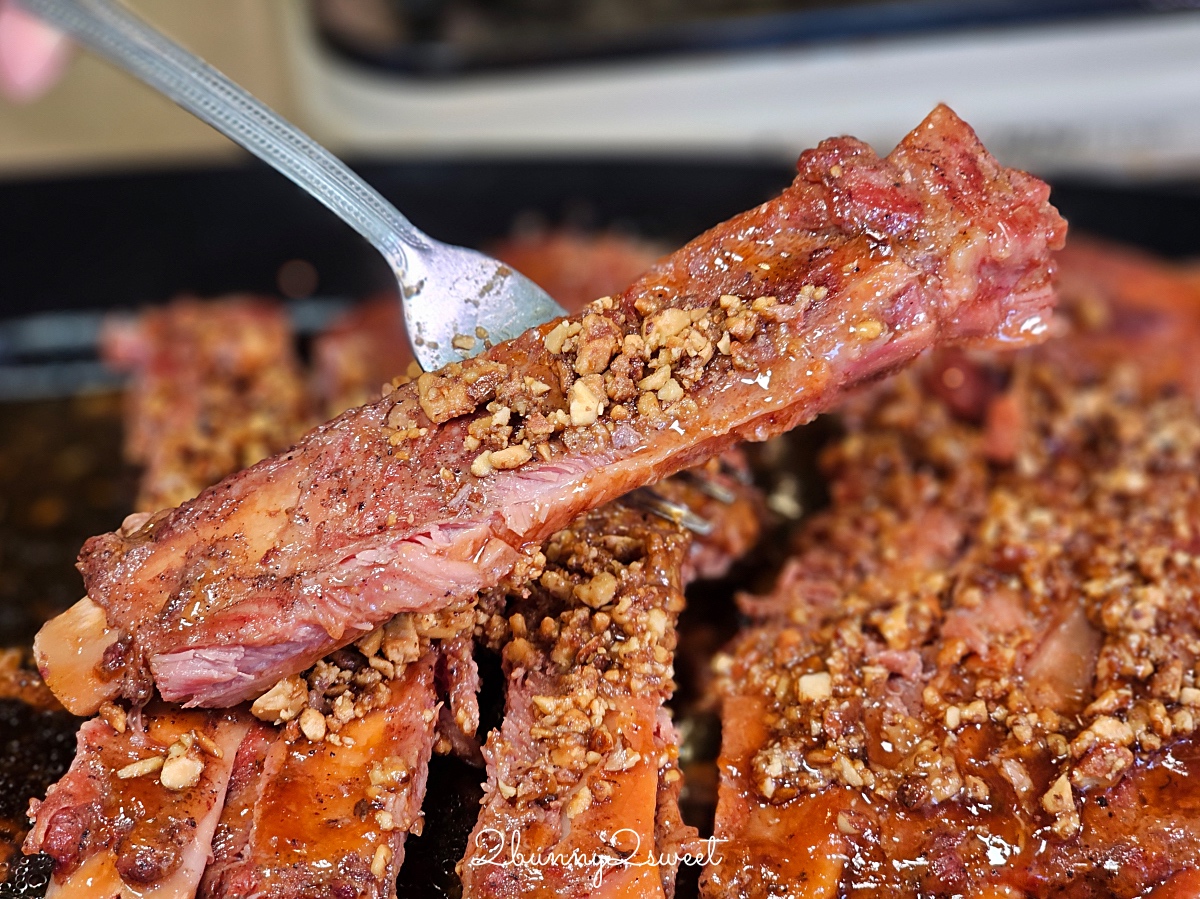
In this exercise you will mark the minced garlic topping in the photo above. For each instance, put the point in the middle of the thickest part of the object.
(988, 600)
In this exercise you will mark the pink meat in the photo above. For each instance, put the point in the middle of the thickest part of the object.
(110, 833)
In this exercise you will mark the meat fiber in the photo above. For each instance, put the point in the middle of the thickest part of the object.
(978, 674)
(440, 489)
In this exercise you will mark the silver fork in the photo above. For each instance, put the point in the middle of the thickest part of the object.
(446, 291)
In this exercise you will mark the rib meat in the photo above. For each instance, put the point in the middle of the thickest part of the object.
(977, 675)
(434, 492)
(575, 268)
(583, 770)
(318, 818)
(216, 387)
(135, 814)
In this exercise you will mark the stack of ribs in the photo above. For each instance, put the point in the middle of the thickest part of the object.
(328, 589)
(978, 674)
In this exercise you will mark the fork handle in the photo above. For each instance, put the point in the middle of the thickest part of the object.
(115, 33)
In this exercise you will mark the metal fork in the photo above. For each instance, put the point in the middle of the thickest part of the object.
(446, 291)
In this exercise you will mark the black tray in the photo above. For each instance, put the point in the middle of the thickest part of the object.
(453, 38)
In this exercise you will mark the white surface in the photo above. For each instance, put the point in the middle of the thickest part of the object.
(1104, 97)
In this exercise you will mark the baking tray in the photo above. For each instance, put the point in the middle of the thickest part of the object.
(452, 38)
(75, 249)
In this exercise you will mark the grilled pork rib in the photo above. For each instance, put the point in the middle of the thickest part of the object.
(215, 387)
(135, 814)
(359, 767)
(435, 492)
(977, 676)
(317, 818)
(574, 772)
(585, 761)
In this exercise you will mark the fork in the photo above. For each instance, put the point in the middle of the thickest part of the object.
(446, 291)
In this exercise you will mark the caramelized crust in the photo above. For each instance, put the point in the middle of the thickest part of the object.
(435, 492)
(978, 675)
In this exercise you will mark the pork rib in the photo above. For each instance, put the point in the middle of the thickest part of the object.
(582, 771)
(433, 492)
(216, 387)
(135, 814)
(346, 827)
(977, 676)
(319, 818)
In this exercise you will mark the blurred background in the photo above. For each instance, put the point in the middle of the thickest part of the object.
(1060, 86)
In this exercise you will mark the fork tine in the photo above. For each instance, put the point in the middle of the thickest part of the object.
(648, 499)
(741, 475)
(709, 487)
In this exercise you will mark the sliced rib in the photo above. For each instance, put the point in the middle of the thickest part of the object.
(135, 814)
(415, 661)
(977, 676)
(582, 774)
